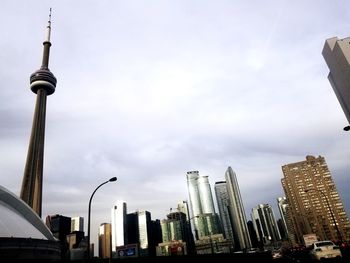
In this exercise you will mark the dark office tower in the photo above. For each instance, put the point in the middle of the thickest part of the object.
(132, 228)
(264, 218)
(144, 232)
(42, 83)
(105, 240)
(282, 229)
(223, 205)
(60, 227)
(282, 208)
(156, 232)
(237, 212)
(314, 204)
(253, 236)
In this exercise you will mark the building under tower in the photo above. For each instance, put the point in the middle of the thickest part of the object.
(43, 84)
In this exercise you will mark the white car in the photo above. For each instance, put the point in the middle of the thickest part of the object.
(325, 249)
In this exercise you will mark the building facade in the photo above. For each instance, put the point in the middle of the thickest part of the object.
(314, 204)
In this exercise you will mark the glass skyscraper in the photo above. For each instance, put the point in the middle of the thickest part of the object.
(119, 235)
(202, 206)
(223, 205)
(238, 217)
(265, 224)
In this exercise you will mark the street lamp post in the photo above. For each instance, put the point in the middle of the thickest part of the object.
(113, 179)
(330, 210)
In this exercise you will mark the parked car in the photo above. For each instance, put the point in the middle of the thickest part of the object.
(277, 253)
(321, 250)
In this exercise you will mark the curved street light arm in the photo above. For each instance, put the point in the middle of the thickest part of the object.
(113, 179)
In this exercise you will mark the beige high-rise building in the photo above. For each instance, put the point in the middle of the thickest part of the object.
(314, 204)
(105, 240)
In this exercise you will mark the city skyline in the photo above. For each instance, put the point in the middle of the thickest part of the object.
(148, 92)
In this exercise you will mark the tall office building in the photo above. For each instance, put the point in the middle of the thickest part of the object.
(105, 240)
(265, 224)
(42, 83)
(118, 215)
(314, 203)
(336, 53)
(205, 219)
(237, 212)
(77, 224)
(223, 201)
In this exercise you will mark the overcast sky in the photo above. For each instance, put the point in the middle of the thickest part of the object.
(148, 90)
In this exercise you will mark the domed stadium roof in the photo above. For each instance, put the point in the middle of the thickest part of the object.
(17, 219)
(23, 235)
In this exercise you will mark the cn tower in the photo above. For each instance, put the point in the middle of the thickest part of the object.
(42, 83)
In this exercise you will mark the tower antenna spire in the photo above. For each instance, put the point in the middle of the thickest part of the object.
(48, 32)
(47, 44)
(43, 84)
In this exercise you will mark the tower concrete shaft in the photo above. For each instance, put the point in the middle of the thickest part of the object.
(43, 83)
